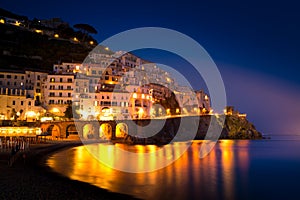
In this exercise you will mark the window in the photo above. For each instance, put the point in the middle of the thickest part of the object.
(60, 94)
(107, 97)
(22, 77)
(28, 75)
(1, 75)
(51, 80)
(69, 87)
(16, 77)
(100, 72)
(15, 83)
(21, 103)
(29, 103)
(60, 87)
(38, 84)
(51, 94)
(38, 77)
(0, 82)
(52, 87)
(69, 80)
(69, 94)
(94, 72)
(61, 80)
(8, 83)
(102, 97)
(8, 76)
(38, 90)
(14, 103)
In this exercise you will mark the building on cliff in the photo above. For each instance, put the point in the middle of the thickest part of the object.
(108, 85)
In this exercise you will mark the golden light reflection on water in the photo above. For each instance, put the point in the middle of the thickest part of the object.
(188, 177)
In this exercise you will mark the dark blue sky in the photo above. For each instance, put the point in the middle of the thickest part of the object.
(255, 45)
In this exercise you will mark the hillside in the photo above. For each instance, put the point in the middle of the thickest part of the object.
(24, 47)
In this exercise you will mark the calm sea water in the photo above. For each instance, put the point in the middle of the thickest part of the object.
(262, 169)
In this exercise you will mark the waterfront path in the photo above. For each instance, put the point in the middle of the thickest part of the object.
(30, 178)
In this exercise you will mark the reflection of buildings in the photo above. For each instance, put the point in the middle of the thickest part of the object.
(222, 174)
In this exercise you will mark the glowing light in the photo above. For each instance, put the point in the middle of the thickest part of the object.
(45, 119)
(168, 111)
(106, 48)
(91, 42)
(56, 35)
(55, 110)
(134, 95)
(143, 96)
(17, 23)
(38, 31)
(75, 39)
(206, 97)
(31, 114)
(2, 21)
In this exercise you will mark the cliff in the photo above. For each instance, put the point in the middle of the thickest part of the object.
(189, 128)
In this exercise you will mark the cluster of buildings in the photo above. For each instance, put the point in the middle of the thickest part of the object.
(107, 86)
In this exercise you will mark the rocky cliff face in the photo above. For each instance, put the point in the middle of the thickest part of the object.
(189, 128)
(234, 127)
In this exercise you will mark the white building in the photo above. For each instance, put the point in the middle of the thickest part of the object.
(58, 92)
(24, 80)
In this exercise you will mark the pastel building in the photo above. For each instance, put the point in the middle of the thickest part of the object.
(15, 105)
(58, 92)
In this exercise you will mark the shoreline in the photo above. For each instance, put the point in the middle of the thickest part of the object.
(33, 179)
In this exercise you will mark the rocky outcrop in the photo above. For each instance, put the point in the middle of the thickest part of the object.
(189, 128)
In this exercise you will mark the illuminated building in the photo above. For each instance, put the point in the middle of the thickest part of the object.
(15, 105)
(58, 92)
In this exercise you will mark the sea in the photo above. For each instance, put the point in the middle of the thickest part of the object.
(233, 169)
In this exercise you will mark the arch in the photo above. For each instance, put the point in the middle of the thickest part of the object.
(54, 130)
(71, 130)
(121, 130)
(88, 131)
(105, 131)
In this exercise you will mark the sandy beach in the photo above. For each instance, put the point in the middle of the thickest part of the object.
(32, 179)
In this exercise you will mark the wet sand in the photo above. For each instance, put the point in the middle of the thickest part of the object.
(32, 179)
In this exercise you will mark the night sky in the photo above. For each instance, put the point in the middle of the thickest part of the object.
(255, 45)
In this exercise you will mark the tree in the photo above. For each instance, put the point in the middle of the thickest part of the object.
(69, 112)
(85, 29)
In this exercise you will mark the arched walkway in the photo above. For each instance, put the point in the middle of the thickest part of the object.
(88, 131)
(71, 130)
(121, 130)
(105, 131)
(54, 130)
